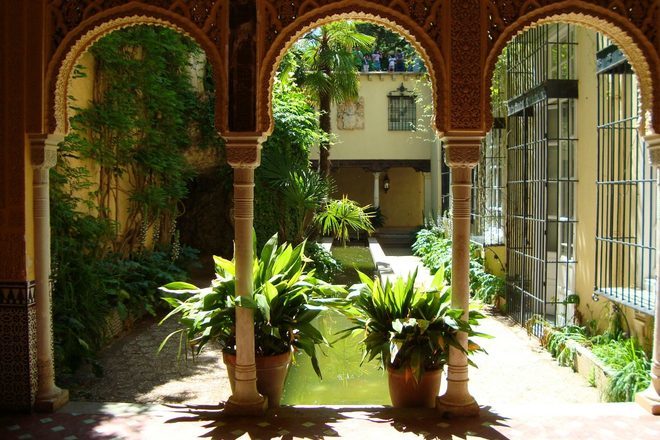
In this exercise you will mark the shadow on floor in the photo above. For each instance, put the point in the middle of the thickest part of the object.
(323, 422)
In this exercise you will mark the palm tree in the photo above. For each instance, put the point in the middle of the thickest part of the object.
(329, 72)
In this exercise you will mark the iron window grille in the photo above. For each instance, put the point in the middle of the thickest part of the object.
(541, 174)
(626, 190)
(489, 176)
(402, 109)
(488, 188)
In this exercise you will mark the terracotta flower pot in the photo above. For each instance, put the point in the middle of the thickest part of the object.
(271, 374)
(405, 392)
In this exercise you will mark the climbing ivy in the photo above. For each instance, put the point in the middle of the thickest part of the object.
(144, 114)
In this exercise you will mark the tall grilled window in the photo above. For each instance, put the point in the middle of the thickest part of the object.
(402, 110)
(541, 174)
(488, 188)
(625, 253)
(489, 177)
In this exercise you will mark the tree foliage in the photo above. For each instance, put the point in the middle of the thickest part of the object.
(326, 70)
(288, 192)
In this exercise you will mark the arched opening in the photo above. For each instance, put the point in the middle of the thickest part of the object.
(382, 142)
(428, 50)
(138, 119)
(564, 193)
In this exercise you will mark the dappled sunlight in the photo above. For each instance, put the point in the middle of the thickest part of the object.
(135, 372)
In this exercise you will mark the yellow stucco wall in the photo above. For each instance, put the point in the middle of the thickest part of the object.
(356, 183)
(402, 205)
(375, 141)
(585, 197)
(495, 260)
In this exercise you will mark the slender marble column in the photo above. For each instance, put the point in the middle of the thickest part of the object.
(462, 154)
(436, 178)
(243, 154)
(650, 398)
(44, 157)
(376, 189)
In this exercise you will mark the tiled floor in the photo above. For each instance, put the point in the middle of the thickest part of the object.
(620, 421)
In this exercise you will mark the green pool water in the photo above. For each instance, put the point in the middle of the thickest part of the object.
(345, 381)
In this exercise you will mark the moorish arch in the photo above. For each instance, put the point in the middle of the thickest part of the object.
(285, 22)
(77, 27)
(633, 29)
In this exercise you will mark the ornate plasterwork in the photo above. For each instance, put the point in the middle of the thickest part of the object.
(43, 156)
(77, 24)
(16, 294)
(462, 151)
(285, 22)
(653, 148)
(66, 15)
(466, 60)
(244, 151)
(632, 25)
(643, 14)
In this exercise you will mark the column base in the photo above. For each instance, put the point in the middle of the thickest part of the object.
(52, 403)
(239, 408)
(466, 407)
(649, 400)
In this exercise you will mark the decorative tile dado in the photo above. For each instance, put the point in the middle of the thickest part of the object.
(17, 294)
(18, 345)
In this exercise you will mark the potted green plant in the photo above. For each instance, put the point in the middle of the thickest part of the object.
(286, 299)
(410, 330)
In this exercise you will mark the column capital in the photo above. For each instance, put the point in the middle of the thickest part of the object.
(43, 149)
(244, 149)
(462, 151)
(43, 154)
(653, 147)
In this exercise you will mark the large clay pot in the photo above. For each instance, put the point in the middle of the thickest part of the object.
(271, 374)
(405, 392)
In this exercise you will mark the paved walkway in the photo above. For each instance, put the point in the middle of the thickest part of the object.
(523, 394)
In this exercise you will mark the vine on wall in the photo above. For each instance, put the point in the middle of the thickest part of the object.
(144, 114)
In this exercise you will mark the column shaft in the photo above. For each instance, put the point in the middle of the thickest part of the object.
(243, 156)
(44, 157)
(461, 155)
(376, 189)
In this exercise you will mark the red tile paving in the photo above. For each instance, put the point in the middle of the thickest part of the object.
(620, 421)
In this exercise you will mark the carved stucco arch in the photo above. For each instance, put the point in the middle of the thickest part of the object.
(640, 53)
(428, 50)
(60, 68)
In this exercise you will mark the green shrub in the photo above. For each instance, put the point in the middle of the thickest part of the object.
(342, 217)
(433, 246)
(559, 348)
(631, 365)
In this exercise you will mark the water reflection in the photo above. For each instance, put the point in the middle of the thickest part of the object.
(345, 381)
